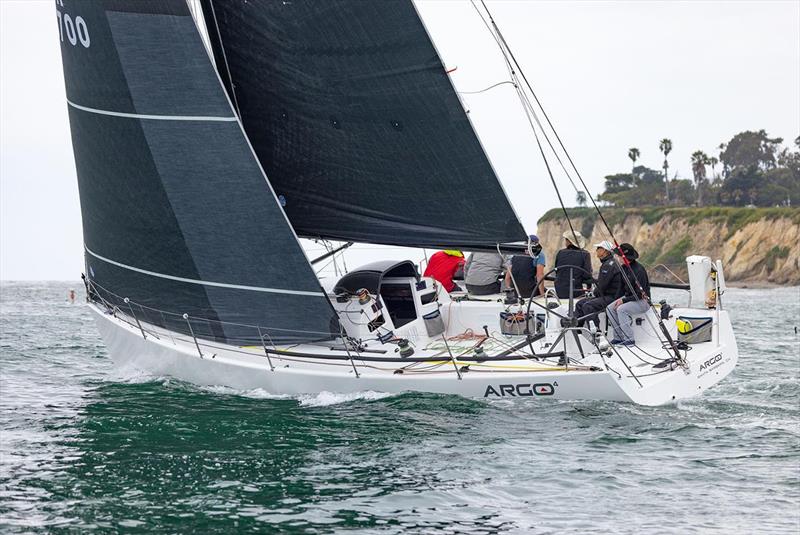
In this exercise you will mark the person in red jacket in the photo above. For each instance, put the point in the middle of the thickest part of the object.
(443, 265)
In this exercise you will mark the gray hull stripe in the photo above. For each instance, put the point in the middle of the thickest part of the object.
(154, 117)
(205, 283)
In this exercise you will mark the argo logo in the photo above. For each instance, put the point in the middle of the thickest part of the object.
(710, 362)
(521, 390)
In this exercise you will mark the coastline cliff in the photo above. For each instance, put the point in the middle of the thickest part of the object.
(757, 246)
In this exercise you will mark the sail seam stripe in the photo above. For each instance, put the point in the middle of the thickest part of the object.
(202, 282)
(155, 117)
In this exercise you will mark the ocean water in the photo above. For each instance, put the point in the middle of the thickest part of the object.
(83, 448)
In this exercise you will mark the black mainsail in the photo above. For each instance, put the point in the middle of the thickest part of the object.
(356, 123)
(177, 213)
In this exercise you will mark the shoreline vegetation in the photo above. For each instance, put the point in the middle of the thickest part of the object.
(742, 206)
(733, 217)
(752, 169)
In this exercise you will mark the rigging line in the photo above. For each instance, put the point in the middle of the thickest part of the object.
(499, 38)
(508, 63)
(504, 47)
(527, 102)
(323, 268)
(329, 247)
(511, 275)
(670, 271)
(523, 98)
(553, 180)
(555, 132)
(535, 133)
(487, 88)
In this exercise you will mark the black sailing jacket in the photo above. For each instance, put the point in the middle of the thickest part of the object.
(635, 271)
(572, 256)
(609, 281)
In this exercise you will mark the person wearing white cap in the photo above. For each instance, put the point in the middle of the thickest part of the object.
(573, 262)
(608, 286)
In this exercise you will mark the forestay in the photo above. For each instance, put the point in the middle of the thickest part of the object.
(357, 124)
(177, 213)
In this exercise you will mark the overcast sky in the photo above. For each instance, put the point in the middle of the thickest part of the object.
(611, 75)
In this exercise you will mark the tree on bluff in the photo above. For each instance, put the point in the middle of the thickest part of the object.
(755, 170)
(751, 149)
(630, 189)
(699, 162)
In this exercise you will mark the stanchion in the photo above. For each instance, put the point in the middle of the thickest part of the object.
(347, 349)
(266, 351)
(128, 302)
(186, 317)
(452, 358)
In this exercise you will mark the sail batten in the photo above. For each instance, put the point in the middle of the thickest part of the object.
(154, 117)
(177, 214)
(356, 123)
(202, 282)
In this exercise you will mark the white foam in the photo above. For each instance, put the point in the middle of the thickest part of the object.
(255, 393)
(324, 399)
(132, 375)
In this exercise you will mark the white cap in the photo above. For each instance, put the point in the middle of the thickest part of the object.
(605, 245)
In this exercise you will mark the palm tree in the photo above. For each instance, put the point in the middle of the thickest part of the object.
(699, 162)
(666, 147)
(633, 154)
(713, 161)
(580, 198)
(721, 159)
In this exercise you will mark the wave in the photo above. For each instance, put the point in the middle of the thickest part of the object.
(324, 399)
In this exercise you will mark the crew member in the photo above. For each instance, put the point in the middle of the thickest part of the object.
(526, 271)
(607, 288)
(635, 296)
(443, 265)
(574, 263)
(482, 273)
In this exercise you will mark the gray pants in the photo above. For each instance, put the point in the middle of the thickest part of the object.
(484, 289)
(621, 318)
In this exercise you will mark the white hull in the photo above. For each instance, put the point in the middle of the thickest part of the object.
(162, 353)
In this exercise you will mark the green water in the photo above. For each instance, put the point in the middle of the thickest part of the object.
(84, 449)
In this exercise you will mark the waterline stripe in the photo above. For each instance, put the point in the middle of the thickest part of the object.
(204, 283)
(156, 117)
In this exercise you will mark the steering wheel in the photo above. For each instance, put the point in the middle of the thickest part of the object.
(544, 277)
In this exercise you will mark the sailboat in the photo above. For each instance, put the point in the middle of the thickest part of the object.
(199, 169)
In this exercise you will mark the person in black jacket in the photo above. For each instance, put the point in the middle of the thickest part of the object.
(607, 288)
(635, 298)
(575, 256)
(525, 272)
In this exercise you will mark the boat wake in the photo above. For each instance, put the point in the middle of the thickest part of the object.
(135, 376)
(321, 399)
(324, 399)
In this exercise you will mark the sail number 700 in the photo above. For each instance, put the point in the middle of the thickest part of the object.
(75, 30)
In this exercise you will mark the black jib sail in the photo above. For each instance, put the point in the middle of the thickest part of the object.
(177, 214)
(356, 123)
